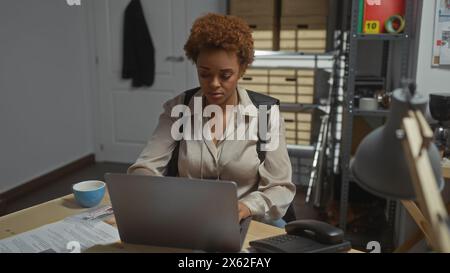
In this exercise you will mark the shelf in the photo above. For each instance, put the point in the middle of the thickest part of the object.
(366, 83)
(287, 60)
(374, 113)
(382, 37)
(298, 107)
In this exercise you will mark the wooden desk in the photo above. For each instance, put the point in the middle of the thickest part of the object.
(63, 207)
(60, 208)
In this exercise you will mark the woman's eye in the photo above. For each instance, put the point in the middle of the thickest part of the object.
(204, 75)
(226, 76)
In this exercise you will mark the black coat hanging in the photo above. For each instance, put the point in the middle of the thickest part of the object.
(138, 50)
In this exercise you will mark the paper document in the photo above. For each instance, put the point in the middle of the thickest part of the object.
(73, 234)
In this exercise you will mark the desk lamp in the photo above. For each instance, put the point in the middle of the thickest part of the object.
(399, 161)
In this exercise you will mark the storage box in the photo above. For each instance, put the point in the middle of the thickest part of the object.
(253, 7)
(303, 22)
(304, 34)
(298, 127)
(256, 79)
(292, 85)
(265, 32)
(304, 7)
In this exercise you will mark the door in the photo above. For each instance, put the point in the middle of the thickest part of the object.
(125, 117)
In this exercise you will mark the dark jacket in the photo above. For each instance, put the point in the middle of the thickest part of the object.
(138, 51)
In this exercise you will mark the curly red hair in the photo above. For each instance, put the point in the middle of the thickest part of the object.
(217, 31)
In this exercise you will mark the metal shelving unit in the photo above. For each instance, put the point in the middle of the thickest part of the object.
(373, 113)
(385, 37)
(405, 41)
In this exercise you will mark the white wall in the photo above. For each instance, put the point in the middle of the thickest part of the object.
(45, 104)
(436, 79)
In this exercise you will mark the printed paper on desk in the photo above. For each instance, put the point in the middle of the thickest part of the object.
(69, 235)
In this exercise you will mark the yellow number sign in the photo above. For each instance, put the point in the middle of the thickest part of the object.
(372, 27)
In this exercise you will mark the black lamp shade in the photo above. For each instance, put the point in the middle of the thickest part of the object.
(380, 165)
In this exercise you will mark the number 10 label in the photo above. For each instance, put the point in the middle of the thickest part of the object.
(372, 27)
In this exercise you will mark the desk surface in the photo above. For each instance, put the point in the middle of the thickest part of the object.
(60, 208)
(63, 207)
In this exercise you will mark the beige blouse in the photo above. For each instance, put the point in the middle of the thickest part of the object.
(264, 187)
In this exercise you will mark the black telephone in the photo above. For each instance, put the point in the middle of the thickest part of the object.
(305, 236)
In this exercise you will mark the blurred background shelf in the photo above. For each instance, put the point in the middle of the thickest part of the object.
(373, 113)
(383, 37)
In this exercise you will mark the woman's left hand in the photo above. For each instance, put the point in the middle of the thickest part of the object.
(244, 211)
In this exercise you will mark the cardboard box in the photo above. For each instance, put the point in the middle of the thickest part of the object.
(255, 79)
(305, 117)
(304, 135)
(265, 32)
(297, 131)
(311, 44)
(305, 89)
(303, 23)
(282, 89)
(305, 99)
(304, 126)
(263, 44)
(282, 72)
(304, 7)
(306, 72)
(261, 88)
(291, 141)
(290, 134)
(288, 44)
(257, 72)
(305, 80)
(288, 80)
(253, 7)
(284, 98)
(305, 34)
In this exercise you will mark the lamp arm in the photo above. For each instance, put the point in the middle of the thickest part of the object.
(417, 137)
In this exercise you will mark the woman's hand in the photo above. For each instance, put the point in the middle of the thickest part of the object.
(244, 211)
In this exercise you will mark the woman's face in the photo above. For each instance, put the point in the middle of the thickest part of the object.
(218, 73)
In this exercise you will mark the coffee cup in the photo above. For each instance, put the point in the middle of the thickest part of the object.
(89, 193)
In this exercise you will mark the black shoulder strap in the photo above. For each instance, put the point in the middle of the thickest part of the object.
(256, 98)
(172, 166)
(259, 99)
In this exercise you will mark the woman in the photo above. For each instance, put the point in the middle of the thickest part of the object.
(221, 47)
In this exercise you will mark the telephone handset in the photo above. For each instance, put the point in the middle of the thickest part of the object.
(305, 236)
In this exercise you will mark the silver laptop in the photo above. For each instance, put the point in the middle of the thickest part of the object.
(177, 212)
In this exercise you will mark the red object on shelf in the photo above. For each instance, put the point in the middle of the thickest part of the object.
(376, 12)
